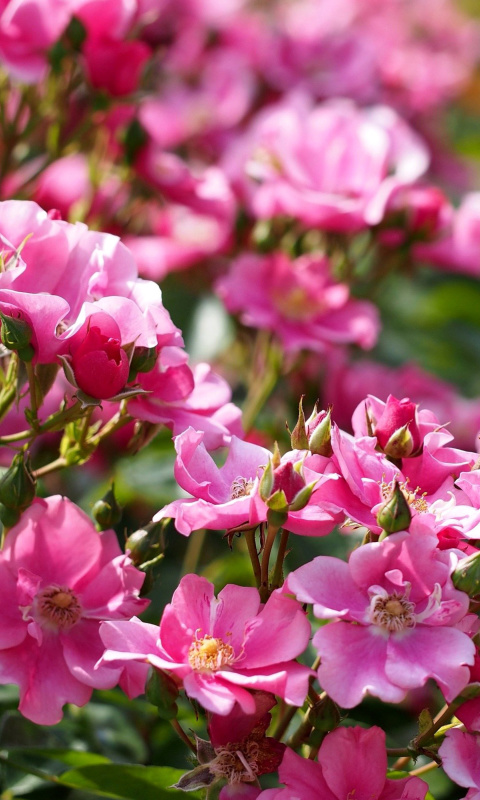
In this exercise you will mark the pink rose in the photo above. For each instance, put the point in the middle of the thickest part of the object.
(59, 579)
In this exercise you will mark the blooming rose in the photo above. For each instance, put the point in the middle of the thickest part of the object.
(352, 762)
(220, 648)
(394, 623)
(59, 579)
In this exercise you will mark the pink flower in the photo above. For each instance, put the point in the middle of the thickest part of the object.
(395, 622)
(352, 762)
(429, 462)
(27, 32)
(60, 579)
(460, 754)
(397, 428)
(220, 648)
(333, 167)
(222, 496)
(65, 273)
(299, 301)
(456, 247)
(115, 66)
(179, 397)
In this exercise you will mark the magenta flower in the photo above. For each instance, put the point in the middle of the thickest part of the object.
(460, 754)
(59, 579)
(220, 648)
(429, 462)
(221, 496)
(395, 618)
(352, 762)
(333, 166)
(299, 301)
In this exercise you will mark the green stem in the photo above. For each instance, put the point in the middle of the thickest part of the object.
(44, 776)
(183, 736)
(59, 463)
(277, 579)
(120, 419)
(425, 768)
(9, 391)
(193, 552)
(32, 382)
(265, 362)
(283, 722)
(444, 715)
(271, 536)
(252, 552)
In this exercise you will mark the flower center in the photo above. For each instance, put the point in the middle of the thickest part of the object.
(210, 654)
(393, 612)
(241, 487)
(237, 765)
(413, 498)
(58, 607)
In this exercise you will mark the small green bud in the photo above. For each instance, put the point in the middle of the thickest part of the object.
(106, 512)
(17, 486)
(395, 514)
(143, 360)
(9, 516)
(298, 437)
(400, 444)
(466, 576)
(16, 334)
(320, 433)
(266, 482)
(146, 546)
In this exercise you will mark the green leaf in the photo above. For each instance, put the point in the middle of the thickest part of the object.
(126, 781)
(73, 758)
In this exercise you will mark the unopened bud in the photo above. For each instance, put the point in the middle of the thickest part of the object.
(143, 360)
(298, 437)
(400, 443)
(466, 576)
(106, 512)
(395, 514)
(16, 334)
(17, 486)
(145, 546)
(320, 433)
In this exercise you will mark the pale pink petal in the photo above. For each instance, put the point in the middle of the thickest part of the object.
(327, 584)
(353, 660)
(425, 652)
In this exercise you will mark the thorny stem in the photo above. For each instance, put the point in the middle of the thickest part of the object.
(425, 768)
(285, 719)
(265, 362)
(277, 578)
(271, 536)
(32, 382)
(59, 463)
(193, 552)
(252, 552)
(443, 716)
(183, 736)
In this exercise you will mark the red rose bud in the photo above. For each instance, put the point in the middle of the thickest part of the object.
(99, 365)
(287, 480)
(397, 429)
